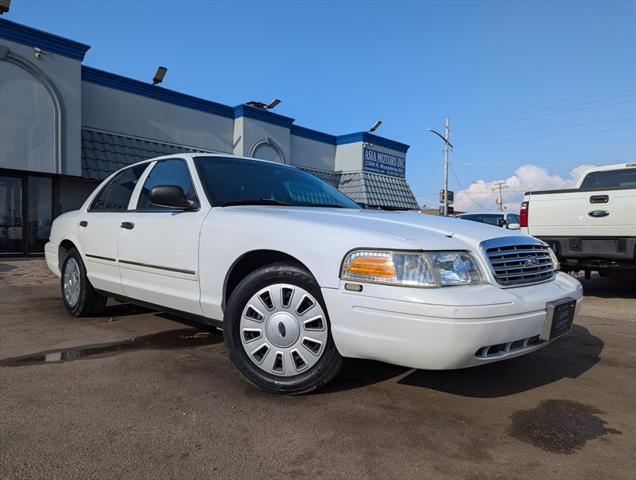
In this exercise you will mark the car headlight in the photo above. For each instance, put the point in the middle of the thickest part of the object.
(555, 261)
(411, 269)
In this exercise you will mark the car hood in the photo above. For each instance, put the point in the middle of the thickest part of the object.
(398, 225)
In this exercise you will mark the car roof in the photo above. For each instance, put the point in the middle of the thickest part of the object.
(192, 155)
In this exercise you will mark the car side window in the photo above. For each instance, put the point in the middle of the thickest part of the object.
(116, 194)
(166, 172)
(512, 218)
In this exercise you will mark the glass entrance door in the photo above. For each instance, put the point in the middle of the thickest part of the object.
(39, 195)
(11, 221)
(26, 208)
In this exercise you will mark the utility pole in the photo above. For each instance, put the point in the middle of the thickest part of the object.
(499, 186)
(447, 147)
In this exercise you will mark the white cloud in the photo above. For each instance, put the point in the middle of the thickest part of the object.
(480, 195)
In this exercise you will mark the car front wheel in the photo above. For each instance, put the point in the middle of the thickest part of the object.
(277, 331)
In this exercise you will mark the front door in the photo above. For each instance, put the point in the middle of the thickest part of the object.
(99, 227)
(159, 248)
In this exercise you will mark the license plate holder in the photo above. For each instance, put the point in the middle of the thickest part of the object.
(560, 315)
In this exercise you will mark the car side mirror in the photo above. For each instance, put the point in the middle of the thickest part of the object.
(514, 226)
(172, 196)
(502, 222)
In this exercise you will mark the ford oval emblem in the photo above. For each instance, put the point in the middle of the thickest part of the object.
(531, 262)
(598, 213)
(281, 329)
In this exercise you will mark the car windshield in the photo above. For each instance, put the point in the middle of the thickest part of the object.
(489, 218)
(237, 181)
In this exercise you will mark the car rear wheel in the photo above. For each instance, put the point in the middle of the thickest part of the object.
(80, 298)
(277, 331)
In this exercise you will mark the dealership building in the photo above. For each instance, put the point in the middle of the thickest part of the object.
(65, 126)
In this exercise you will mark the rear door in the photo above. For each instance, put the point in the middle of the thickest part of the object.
(99, 226)
(159, 249)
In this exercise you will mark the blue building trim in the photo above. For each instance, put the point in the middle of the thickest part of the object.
(374, 139)
(44, 40)
(262, 115)
(310, 134)
(125, 84)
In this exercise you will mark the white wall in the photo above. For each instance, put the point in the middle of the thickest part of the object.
(64, 74)
(312, 154)
(249, 132)
(105, 108)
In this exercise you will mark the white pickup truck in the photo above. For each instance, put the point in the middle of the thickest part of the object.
(591, 227)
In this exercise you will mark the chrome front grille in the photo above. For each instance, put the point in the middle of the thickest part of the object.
(519, 263)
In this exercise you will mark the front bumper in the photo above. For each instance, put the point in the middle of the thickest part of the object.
(443, 328)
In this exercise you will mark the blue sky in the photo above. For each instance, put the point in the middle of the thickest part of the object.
(546, 84)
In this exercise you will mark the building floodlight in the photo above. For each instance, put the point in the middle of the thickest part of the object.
(4, 6)
(272, 104)
(159, 75)
(375, 126)
(263, 106)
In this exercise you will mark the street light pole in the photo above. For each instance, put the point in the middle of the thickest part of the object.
(447, 147)
(446, 134)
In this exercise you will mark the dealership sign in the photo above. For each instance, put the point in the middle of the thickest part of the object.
(384, 163)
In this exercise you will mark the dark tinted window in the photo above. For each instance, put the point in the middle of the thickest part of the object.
(489, 218)
(249, 181)
(625, 177)
(512, 218)
(166, 172)
(116, 195)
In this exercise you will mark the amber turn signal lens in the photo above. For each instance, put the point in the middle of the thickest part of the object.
(373, 266)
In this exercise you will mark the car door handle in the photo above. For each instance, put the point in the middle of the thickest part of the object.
(83, 223)
(127, 225)
(599, 199)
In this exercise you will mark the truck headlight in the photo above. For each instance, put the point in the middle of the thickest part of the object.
(411, 269)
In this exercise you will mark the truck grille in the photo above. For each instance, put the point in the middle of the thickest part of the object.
(520, 264)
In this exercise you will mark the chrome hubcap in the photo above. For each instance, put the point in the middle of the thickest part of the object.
(283, 329)
(71, 282)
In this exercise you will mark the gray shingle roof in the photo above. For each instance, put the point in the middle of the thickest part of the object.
(330, 177)
(103, 153)
(377, 190)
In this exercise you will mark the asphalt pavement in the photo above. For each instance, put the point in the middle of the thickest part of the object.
(134, 394)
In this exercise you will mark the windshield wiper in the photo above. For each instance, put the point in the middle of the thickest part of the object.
(323, 205)
(255, 201)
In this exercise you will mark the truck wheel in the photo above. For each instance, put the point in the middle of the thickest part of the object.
(80, 298)
(277, 331)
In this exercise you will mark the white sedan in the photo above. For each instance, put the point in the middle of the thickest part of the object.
(298, 276)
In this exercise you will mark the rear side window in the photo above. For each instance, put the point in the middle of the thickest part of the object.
(512, 218)
(166, 172)
(625, 177)
(116, 195)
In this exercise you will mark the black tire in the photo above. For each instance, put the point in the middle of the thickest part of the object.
(89, 302)
(319, 374)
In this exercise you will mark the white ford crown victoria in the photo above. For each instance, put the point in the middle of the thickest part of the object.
(299, 276)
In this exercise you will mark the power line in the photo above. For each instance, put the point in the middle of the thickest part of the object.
(465, 190)
(488, 119)
(498, 140)
(547, 109)
(552, 126)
